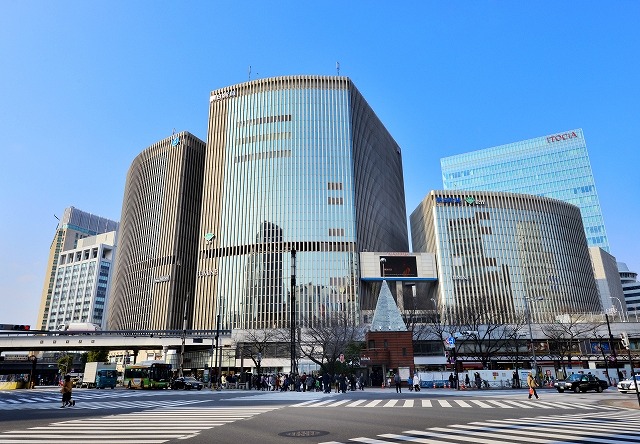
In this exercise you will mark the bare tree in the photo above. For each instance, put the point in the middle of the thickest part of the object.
(257, 343)
(566, 334)
(483, 334)
(324, 345)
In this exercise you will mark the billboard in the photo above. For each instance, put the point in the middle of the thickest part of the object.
(398, 266)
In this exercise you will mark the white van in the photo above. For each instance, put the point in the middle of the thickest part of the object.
(80, 327)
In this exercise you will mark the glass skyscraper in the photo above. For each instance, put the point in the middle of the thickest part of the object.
(555, 166)
(294, 163)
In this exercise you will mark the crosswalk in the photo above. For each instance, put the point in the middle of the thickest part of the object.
(46, 399)
(453, 403)
(587, 428)
(101, 405)
(146, 427)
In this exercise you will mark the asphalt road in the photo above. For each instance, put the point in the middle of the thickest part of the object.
(372, 416)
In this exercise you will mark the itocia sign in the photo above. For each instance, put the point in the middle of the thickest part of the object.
(560, 137)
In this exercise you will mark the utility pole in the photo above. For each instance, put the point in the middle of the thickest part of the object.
(612, 346)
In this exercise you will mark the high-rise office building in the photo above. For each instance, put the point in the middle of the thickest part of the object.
(499, 253)
(554, 166)
(295, 163)
(82, 281)
(72, 226)
(630, 289)
(155, 268)
(605, 271)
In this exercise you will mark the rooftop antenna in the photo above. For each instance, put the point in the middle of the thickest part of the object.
(338, 68)
(249, 72)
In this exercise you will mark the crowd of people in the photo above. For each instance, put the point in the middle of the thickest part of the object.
(324, 382)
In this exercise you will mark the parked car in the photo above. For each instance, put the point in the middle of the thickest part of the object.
(628, 386)
(186, 383)
(581, 383)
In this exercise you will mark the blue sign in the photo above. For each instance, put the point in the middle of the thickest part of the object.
(451, 341)
(175, 141)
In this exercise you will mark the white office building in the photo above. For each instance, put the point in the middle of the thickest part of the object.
(82, 279)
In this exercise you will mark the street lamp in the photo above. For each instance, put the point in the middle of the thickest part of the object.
(184, 334)
(383, 261)
(533, 348)
(34, 360)
(621, 309)
(294, 370)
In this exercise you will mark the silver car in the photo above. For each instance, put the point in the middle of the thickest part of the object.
(628, 386)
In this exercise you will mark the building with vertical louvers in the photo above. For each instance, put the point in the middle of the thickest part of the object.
(294, 163)
(155, 267)
(497, 250)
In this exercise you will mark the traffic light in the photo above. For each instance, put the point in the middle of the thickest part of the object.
(15, 327)
(624, 337)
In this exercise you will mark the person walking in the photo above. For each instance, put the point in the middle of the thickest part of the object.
(416, 382)
(398, 382)
(532, 384)
(66, 389)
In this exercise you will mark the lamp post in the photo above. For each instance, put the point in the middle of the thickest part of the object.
(293, 312)
(533, 348)
(34, 361)
(184, 334)
(383, 261)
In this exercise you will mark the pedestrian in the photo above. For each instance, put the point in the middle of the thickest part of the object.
(478, 380)
(451, 380)
(398, 382)
(66, 389)
(532, 384)
(410, 383)
(466, 380)
(362, 381)
(416, 382)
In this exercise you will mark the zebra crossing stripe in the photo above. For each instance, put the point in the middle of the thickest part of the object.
(335, 404)
(484, 405)
(444, 403)
(391, 403)
(356, 403)
(373, 403)
(500, 404)
(408, 403)
(404, 438)
(426, 403)
(494, 433)
(520, 404)
(462, 403)
(161, 425)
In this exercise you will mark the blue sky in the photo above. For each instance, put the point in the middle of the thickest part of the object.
(86, 86)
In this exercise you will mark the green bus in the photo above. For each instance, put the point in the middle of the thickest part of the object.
(147, 374)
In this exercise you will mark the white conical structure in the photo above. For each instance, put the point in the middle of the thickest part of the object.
(387, 316)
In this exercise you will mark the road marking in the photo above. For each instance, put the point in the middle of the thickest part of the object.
(586, 428)
(145, 427)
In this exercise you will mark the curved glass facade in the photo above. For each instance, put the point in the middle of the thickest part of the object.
(293, 163)
(496, 250)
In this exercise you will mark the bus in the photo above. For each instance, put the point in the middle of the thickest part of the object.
(147, 374)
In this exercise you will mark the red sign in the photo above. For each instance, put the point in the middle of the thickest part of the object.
(560, 137)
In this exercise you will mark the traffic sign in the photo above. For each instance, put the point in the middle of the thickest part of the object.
(451, 341)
